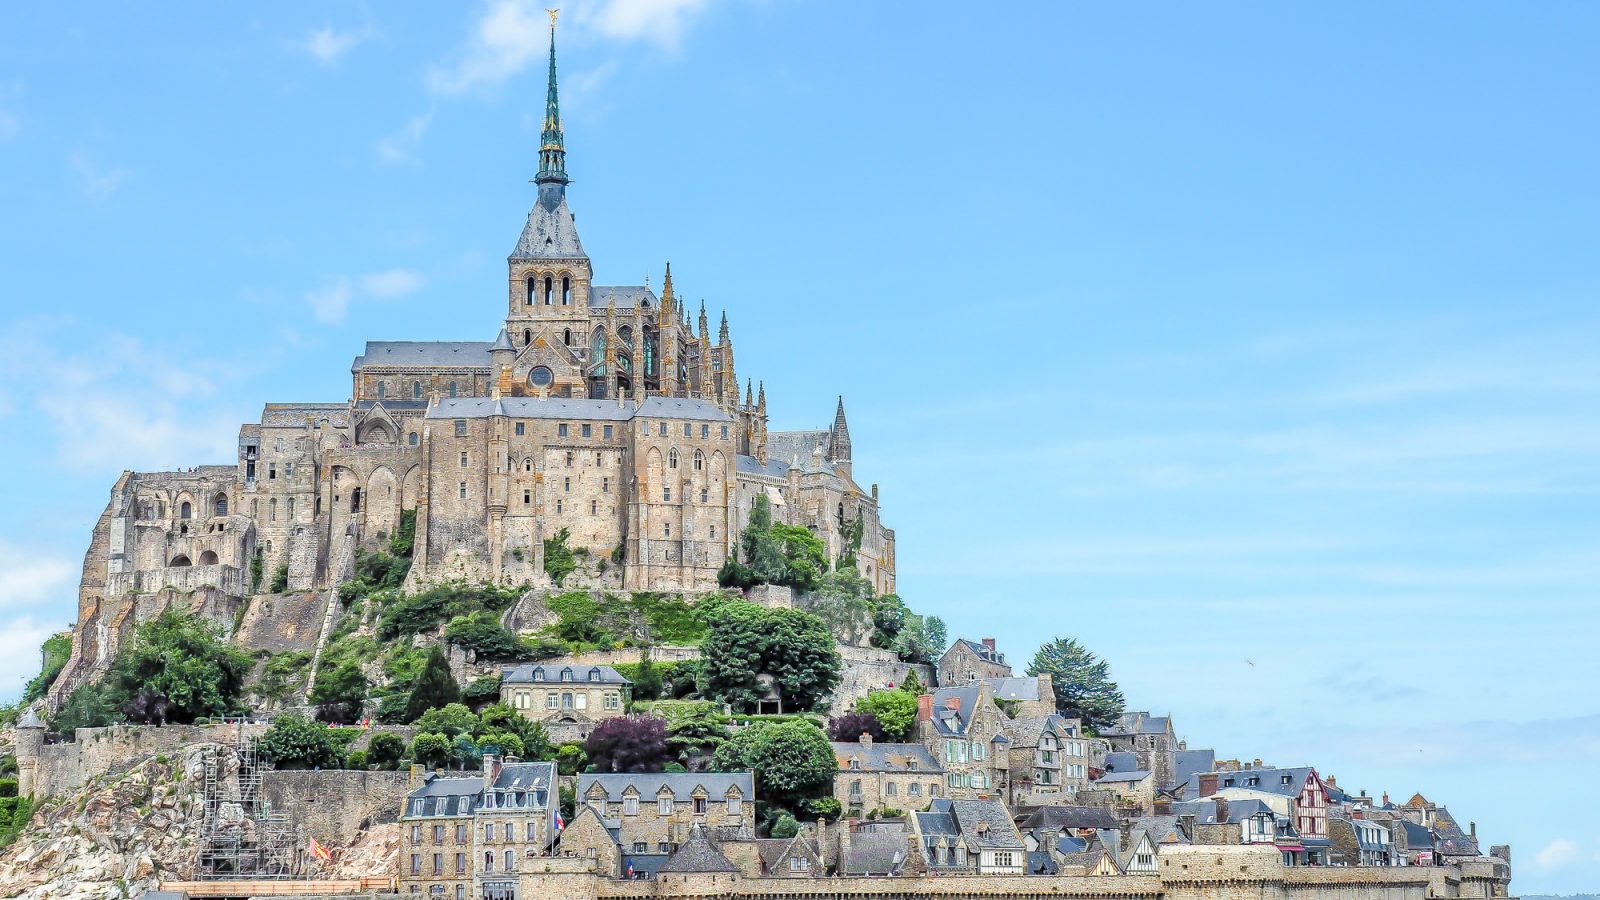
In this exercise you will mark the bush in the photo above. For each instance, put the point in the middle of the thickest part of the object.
(385, 750)
(450, 720)
(357, 760)
(851, 726)
(283, 674)
(55, 651)
(484, 635)
(179, 669)
(558, 558)
(295, 742)
(430, 750)
(896, 711)
(785, 826)
(280, 580)
(340, 693)
(628, 744)
(425, 611)
(86, 707)
(570, 759)
(482, 692)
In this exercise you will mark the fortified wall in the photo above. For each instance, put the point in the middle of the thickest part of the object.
(335, 806)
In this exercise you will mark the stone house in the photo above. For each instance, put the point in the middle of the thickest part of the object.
(467, 837)
(587, 836)
(962, 729)
(878, 847)
(791, 857)
(1025, 697)
(1357, 841)
(1152, 740)
(1048, 759)
(653, 813)
(1136, 789)
(970, 836)
(569, 700)
(885, 776)
(1131, 847)
(1296, 795)
(967, 661)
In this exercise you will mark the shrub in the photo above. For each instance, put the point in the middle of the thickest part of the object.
(55, 651)
(851, 726)
(356, 760)
(558, 558)
(628, 744)
(482, 692)
(179, 669)
(430, 750)
(450, 720)
(280, 580)
(385, 749)
(86, 707)
(484, 635)
(570, 759)
(894, 710)
(295, 742)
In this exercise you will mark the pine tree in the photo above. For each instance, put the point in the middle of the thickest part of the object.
(435, 687)
(1082, 681)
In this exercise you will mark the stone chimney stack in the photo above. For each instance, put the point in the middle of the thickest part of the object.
(925, 708)
(866, 740)
(1472, 829)
(845, 827)
(491, 769)
(989, 643)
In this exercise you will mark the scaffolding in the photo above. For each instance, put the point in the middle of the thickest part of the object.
(243, 838)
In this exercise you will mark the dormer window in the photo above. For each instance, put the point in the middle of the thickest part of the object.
(594, 674)
(566, 674)
(1286, 780)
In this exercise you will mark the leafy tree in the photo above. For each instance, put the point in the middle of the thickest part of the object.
(558, 557)
(430, 750)
(570, 759)
(280, 580)
(774, 553)
(894, 710)
(851, 726)
(340, 693)
(179, 669)
(791, 646)
(86, 707)
(506, 742)
(295, 742)
(936, 636)
(1082, 682)
(385, 750)
(646, 679)
(784, 826)
(405, 537)
(696, 730)
(502, 718)
(464, 751)
(482, 692)
(793, 757)
(450, 720)
(55, 651)
(913, 684)
(844, 601)
(435, 687)
(628, 744)
(805, 558)
(483, 634)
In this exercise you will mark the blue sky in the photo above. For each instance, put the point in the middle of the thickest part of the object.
(1252, 344)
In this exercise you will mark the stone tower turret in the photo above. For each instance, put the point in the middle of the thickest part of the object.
(30, 742)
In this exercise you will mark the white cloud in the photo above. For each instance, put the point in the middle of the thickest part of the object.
(328, 44)
(28, 577)
(392, 283)
(512, 34)
(1557, 854)
(331, 300)
(19, 654)
(97, 183)
(400, 148)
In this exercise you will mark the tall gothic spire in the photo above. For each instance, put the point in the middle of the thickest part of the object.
(552, 149)
(839, 436)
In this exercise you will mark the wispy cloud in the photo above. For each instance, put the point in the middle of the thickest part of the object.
(28, 576)
(330, 301)
(1558, 854)
(509, 35)
(400, 148)
(328, 44)
(19, 653)
(96, 182)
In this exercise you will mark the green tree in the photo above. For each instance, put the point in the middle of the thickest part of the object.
(793, 758)
(844, 601)
(464, 751)
(793, 647)
(178, 670)
(646, 679)
(695, 729)
(435, 687)
(558, 557)
(55, 651)
(385, 750)
(1082, 682)
(86, 707)
(450, 720)
(894, 710)
(502, 718)
(340, 692)
(295, 742)
(570, 759)
(913, 684)
(430, 750)
(483, 634)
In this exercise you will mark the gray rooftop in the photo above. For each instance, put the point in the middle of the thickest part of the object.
(749, 465)
(555, 672)
(1014, 688)
(1265, 779)
(698, 854)
(526, 776)
(875, 853)
(954, 721)
(573, 408)
(682, 785)
(885, 757)
(1186, 763)
(551, 232)
(1056, 817)
(1140, 723)
(626, 297)
(986, 824)
(1122, 777)
(428, 354)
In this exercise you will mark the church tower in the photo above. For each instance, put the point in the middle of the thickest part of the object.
(549, 275)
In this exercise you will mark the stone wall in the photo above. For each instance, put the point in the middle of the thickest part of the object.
(282, 622)
(334, 806)
(64, 768)
(870, 669)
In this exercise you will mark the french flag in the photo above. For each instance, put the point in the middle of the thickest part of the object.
(561, 824)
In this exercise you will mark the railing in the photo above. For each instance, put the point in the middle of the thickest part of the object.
(228, 579)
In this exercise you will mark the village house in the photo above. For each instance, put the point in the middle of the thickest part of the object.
(652, 813)
(878, 847)
(885, 776)
(1048, 759)
(975, 836)
(568, 700)
(967, 661)
(1025, 697)
(469, 836)
(1297, 795)
(961, 727)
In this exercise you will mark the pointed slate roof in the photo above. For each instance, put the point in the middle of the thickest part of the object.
(698, 854)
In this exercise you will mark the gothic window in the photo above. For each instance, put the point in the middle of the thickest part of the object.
(649, 351)
(699, 461)
(597, 348)
(625, 336)
(220, 505)
(527, 464)
(566, 291)
(416, 390)
(412, 439)
(528, 300)
(549, 290)
(527, 336)
(672, 458)
(185, 511)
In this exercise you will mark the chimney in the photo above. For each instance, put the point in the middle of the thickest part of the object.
(845, 827)
(1472, 829)
(988, 643)
(415, 779)
(1125, 831)
(1208, 784)
(925, 709)
(1332, 782)
(1258, 763)
(866, 740)
(1385, 798)
(1222, 811)
(491, 769)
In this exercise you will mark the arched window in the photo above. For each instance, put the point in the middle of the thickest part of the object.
(208, 558)
(185, 511)
(416, 390)
(179, 561)
(672, 458)
(527, 464)
(527, 336)
(452, 388)
(220, 505)
(566, 291)
(549, 290)
(412, 439)
(528, 300)
(699, 461)
(566, 337)
(380, 390)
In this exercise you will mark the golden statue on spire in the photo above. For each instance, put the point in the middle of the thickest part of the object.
(553, 13)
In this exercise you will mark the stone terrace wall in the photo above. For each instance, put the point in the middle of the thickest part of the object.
(64, 768)
(334, 806)
(870, 669)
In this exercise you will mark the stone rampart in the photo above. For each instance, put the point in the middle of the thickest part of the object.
(334, 806)
(66, 767)
(870, 669)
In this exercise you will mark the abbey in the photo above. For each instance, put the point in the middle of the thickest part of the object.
(598, 411)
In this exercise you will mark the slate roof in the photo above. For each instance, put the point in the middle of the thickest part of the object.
(698, 854)
(1122, 777)
(526, 776)
(1161, 829)
(1271, 781)
(1014, 688)
(550, 673)
(627, 297)
(773, 851)
(1239, 810)
(1186, 763)
(1087, 859)
(576, 408)
(681, 408)
(875, 853)
(296, 414)
(551, 232)
(445, 797)
(1121, 761)
(1204, 811)
(749, 465)
(1057, 817)
(1452, 841)
(1140, 723)
(682, 785)
(954, 721)
(1417, 837)
(431, 354)
(790, 446)
(885, 757)
(1026, 730)
(986, 824)
(983, 652)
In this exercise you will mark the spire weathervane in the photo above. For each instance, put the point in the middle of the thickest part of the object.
(552, 143)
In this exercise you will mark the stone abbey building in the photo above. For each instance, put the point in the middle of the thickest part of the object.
(599, 410)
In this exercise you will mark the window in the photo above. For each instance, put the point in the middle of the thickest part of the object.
(463, 459)
(724, 432)
(1004, 858)
(380, 390)
(558, 506)
(735, 805)
(607, 431)
(416, 390)
(510, 834)
(663, 431)
(582, 701)
(566, 292)
(569, 459)
(527, 497)
(461, 490)
(438, 834)
(666, 529)
(640, 847)
(566, 484)
(461, 428)
(586, 430)
(452, 388)
(605, 485)
(552, 701)
(664, 805)
(599, 459)
(699, 461)
(594, 507)
(1286, 780)
(527, 464)
(666, 493)
(891, 789)
(488, 832)
(527, 336)
(566, 337)
(915, 790)
(416, 865)
(416, 834)
(713, 532)
(705, 496)
(630, 806)
(531, 832)
(412, 439)
(549, 290)
(528, 299)
(461, 892)
(511, 861)
(799, 864)
(461, 863)
(672, 458)
(438, 864)
(488, 860)
(521, 429)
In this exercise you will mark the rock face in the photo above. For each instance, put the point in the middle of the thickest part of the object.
(116, 838)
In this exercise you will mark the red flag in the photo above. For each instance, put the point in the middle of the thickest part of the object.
(319, 851)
